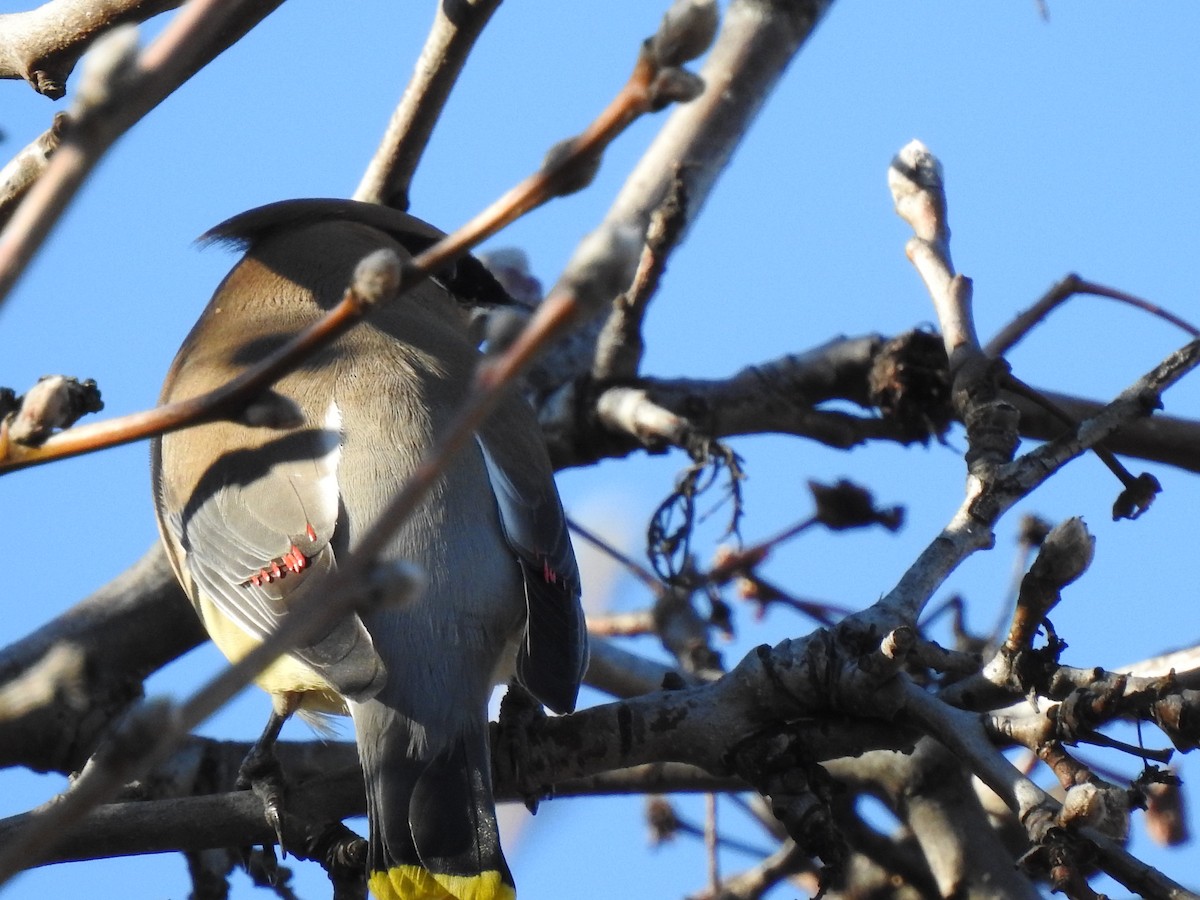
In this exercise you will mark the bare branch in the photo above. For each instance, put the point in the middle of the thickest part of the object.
(1038, 812)
(57, 674)
(1135, 402)
(961, 849)
(757, 40)
(919, 193)
(109, 629)
(20, 172)
(619, 345)
(201, 823)
(1184, 663)
(1159, 438)
(43, 44)
(775, 396)
(755, 43)
(328, 788)
(388, 177)
(988, 498)
(376, 280)
(199, 33)
(1070, 286)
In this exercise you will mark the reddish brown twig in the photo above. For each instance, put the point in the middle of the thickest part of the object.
(561, 173)
(1068, 287)
(225, 401)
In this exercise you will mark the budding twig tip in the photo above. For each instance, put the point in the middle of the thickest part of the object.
(687, 30)
(106, 68)
(376, 277)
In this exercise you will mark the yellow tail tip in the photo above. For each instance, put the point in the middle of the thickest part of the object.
(416, 883)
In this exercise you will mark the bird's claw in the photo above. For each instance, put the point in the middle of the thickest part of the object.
(261, 773)
(271, 794)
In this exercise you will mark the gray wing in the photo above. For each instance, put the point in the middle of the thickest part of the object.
(257, 535)
(553, 655)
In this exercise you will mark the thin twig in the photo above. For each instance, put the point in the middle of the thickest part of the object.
(22, 171)
(200, 31)
(714, 840)
(225, 401)
(756, 589)
(788, 860)
(1072, 285)
(619, 346)
(388, 177)
(711, 841)
(640, 572)
(628, 624)
(1012, 383)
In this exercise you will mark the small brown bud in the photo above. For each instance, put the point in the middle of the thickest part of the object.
(1032, 530)
(1137, 497)
(107, 68)
(1166, 821)
(376, 277)
(674, 86)
(569, 174)
(687, 30)
(846, 505)
(661, 817)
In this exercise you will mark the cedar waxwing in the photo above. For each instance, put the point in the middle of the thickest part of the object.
(254, 518)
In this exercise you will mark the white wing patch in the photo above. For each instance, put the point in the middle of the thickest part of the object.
(322, 477)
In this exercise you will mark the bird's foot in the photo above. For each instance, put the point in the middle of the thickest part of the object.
(262, 773)
(520, 714)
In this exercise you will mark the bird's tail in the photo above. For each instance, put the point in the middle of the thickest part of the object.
(433, 833)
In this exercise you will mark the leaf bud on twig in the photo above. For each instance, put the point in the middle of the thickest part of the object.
(687, 30)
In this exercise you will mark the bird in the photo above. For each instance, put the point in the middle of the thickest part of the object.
(256, 518)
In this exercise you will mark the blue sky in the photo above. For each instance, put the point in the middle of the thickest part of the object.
(1068, 145)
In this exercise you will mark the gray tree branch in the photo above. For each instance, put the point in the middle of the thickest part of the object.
(36, 188)
(42, 45)
(388, 177)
